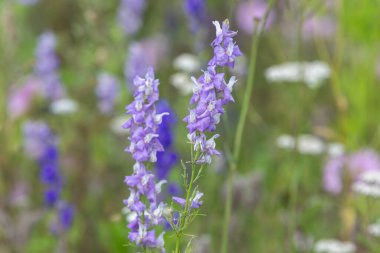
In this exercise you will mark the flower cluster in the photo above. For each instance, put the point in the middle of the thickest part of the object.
(143, 125)
(106, 90)
(211, 92)
(313, 74)
(46, 67)
(129, 15)
(41, 145)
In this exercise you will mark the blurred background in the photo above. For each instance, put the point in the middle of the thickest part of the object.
(312, 130)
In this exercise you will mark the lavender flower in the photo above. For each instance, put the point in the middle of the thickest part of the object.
(107, 90)
(143, 126)
(196, 12)
(211, 92)
(130, 15)
(46, 66)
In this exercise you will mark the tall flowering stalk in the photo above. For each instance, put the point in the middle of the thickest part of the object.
(106, 90)
(196, 13)
(46, 66)
(130, 15)
(143, 205)
(41, 144)
(211, 93)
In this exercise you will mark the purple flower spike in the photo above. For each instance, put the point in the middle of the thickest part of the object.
(130, 15)
(211, 92)
(107, 90)
(196, 12)
(41, 144)
(145, 143)
(46, 67)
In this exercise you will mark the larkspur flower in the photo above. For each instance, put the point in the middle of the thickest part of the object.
(106, 90)
(195, 201)
(130, 15)
(145, 144)
(211, 92)
(196, 13)
(46, 67)
(41, 145)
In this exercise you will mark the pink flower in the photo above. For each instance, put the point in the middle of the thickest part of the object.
(322, 27)
(248, 11)
(21, 97)
(353, 165)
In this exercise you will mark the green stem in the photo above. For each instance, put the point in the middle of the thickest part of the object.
(187, 204)
(240, 127)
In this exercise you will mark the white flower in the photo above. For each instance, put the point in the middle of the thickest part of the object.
(285, 141)
(64, 106)
(334, 246)
(368, 184)
(311, 73)
(374, 229)
(335, 149)
(182, 82)
(310, 144)
(187, 62)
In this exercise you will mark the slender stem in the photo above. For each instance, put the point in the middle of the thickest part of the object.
(240, 127)
(187, 204)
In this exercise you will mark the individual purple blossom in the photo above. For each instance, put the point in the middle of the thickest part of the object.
(211, 92)
(196, 13)
(46, 67)
(107, 90)
(353, 165)
(195, 201)
(144, 145)
(130, 15)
